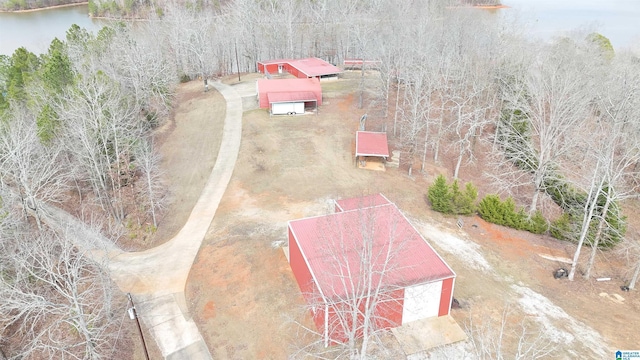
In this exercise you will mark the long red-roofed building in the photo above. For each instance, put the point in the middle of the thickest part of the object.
(325, 254)
(300, 68)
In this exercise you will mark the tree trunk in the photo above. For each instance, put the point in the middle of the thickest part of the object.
(436, 151)
(395, 116)
(424, 152)
(361, 91)
(632, 284)
(497, 134)
(534, 202)
(596, 240)
(590, 206)
(457, 169)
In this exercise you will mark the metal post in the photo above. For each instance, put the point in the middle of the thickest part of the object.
(134, 316)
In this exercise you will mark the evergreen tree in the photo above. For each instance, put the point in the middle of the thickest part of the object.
(439, 196)
(56, 70)
(23, 65)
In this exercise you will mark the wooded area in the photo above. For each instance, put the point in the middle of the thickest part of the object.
(555, 124)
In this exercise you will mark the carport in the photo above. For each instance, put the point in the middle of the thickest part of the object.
(372, 150)
(289, 96)
(290, 103)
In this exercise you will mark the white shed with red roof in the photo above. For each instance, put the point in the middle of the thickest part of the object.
(286, 96)
(414, 281)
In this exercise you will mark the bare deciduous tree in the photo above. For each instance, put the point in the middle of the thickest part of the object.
(36, 172)
(55, 302)
(615, 148)
(502, 340)
(193, 40)
(138, 61)
(148, 162)
(100, 130)
(554, 100)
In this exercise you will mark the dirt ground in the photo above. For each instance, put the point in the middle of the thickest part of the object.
(241, 290)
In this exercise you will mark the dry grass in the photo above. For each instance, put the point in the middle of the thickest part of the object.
(241, 290)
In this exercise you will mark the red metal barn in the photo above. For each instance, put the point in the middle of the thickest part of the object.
(414, 281)
(283, 96)
(300, 68)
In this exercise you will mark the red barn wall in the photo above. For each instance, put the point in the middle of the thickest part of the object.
(294, 71)
(263, 99)
(445, 297)
(388, 314)
(271, 68)
(306, 284)
(390, 311)
(301, 271)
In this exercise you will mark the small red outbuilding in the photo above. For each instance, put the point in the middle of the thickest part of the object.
(371, 147)
(283, 96)
(326, 256)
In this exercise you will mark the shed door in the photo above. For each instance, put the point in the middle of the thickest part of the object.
(421, 301)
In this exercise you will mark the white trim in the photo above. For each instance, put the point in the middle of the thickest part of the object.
(389, 202)
(371, 132)
(336, 214)
(371, 155)
(453, 285)
(370, 207)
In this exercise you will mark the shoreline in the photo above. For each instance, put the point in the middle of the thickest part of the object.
(483, 7)
(44, 8)
(491, 6)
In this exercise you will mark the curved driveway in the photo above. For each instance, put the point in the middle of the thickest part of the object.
(157, 277)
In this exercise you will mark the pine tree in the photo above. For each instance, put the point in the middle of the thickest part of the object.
(439, 196)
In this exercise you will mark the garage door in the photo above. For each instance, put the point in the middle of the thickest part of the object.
(421, 301)
(287, 108)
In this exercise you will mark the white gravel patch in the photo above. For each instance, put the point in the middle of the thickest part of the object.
(560, 326)
(466, 250)
(459, 351)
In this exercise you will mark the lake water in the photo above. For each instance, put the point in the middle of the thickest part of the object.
(35, 30)
(619, 20)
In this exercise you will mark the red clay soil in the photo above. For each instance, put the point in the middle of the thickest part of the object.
(242, 292)
(581, 298)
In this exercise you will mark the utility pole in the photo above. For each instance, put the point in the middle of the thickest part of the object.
(133, 315)
(235, 43)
